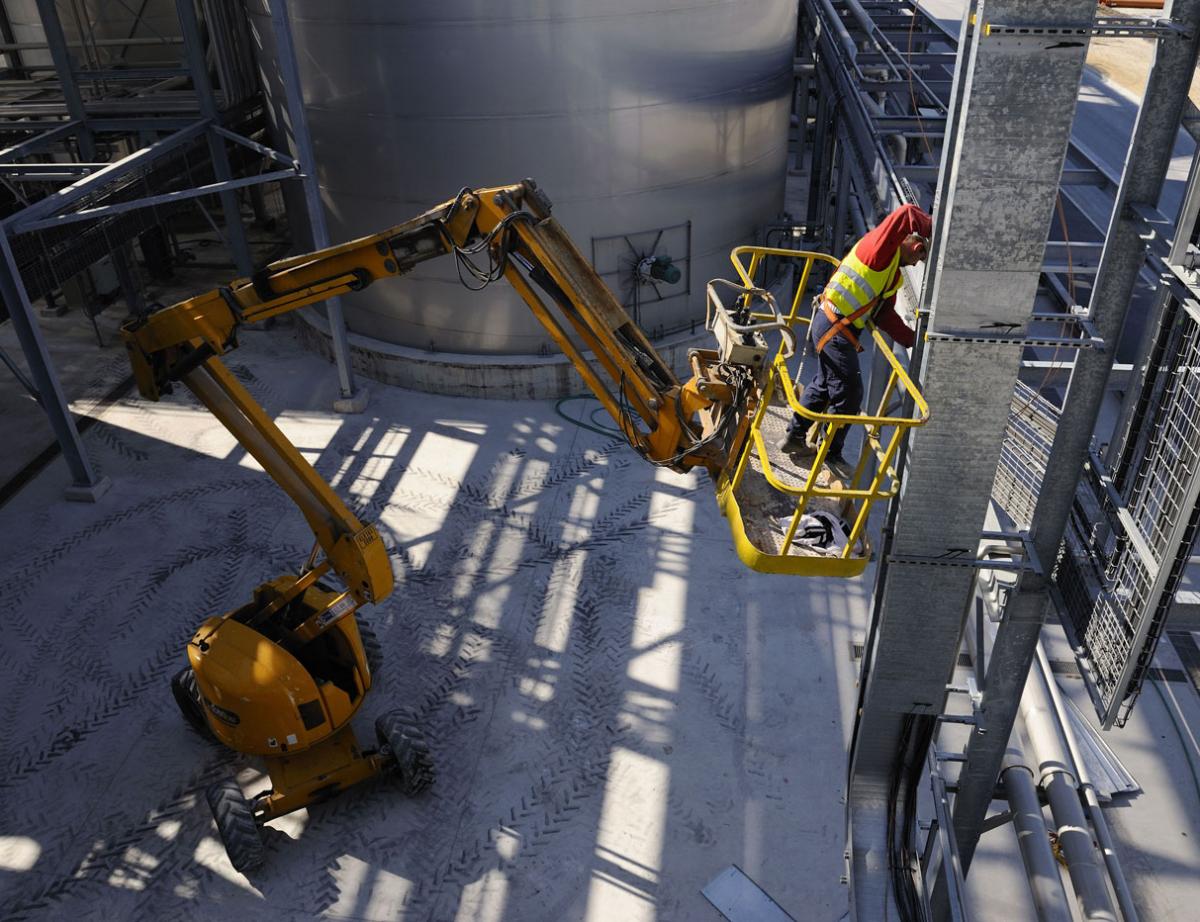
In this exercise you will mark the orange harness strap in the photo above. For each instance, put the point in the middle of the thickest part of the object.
(842, 323)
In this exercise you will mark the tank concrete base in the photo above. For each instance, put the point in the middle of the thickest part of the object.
(491, 377)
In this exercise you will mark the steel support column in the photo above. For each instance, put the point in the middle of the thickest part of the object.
(85, 484)
(57, 43)
(198, 65)
(1017, 637)
(285, 55)
(995, 205)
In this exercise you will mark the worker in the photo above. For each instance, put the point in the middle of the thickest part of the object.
(864, 286)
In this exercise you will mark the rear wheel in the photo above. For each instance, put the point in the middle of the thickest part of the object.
(235, 823)
(187, 696)
(397, 731)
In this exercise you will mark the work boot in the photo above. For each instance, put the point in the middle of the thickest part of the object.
(840, 472)
(796, 446)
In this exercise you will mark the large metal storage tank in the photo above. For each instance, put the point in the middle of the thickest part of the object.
(655, 126)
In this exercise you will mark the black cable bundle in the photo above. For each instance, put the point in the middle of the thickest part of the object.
(916, 734)
(497, 257)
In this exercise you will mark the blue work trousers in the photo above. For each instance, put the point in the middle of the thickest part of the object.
(837, 386)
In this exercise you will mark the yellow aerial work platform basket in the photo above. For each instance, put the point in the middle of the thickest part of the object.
(772, 500)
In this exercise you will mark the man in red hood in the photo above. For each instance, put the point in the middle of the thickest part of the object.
(863, 287)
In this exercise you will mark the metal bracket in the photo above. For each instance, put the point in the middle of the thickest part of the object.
(962, 557)
(1106, 27)
(1091, 339)
(968, 719)
(974, 695)
(996, 820)
(942, 756)
(1125, 521)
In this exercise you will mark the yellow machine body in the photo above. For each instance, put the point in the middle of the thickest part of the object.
(262, 699)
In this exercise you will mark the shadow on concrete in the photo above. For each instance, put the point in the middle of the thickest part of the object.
(618, 709)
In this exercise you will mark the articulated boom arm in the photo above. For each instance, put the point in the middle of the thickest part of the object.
(492, 233)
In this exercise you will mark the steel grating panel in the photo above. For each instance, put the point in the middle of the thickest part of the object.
(1123, 557)
(1028, 437)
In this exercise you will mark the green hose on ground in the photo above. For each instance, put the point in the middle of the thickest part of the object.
(590, 426)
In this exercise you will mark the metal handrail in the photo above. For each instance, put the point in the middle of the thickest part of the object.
(859, 495)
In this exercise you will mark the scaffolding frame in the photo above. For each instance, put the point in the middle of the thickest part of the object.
(98, 192)
(898, 78)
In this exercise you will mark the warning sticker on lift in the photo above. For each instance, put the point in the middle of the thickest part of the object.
(338, 609)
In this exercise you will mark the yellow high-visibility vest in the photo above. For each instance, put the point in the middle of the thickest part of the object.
(855, 285)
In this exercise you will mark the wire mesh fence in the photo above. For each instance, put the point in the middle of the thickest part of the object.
(1124, 553)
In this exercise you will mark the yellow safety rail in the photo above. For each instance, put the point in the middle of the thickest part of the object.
(854, 498)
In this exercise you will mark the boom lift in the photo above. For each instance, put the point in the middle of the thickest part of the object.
(281, 676)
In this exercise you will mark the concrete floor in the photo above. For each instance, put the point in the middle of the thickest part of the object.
(618, 709)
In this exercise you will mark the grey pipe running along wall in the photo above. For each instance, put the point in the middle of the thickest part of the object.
(635, 116)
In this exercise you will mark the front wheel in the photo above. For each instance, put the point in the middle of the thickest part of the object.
(397, 732)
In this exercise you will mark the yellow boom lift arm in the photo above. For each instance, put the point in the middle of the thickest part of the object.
(281, 676)
(679, 425)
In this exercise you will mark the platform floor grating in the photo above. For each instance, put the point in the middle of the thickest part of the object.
(766, 512)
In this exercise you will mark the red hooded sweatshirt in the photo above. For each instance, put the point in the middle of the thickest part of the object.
(878, 248)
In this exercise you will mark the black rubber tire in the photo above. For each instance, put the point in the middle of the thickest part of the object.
(371, 647)
(235, 823)
(413, 764)
(187, 696)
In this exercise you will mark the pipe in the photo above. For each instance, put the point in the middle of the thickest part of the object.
(1058, 780)
(1095, 812)
(1020, 789)
(1041, 867)
(839, 27)
(864, 20)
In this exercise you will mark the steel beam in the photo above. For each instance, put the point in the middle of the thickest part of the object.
(98, 42)
(166, 198)
(995, 202)
(198, 65)
(65, 198)
(285, 55)
(39, 142)
(1120, 262)
(273, 154)
(57, 42)
(136, 124)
